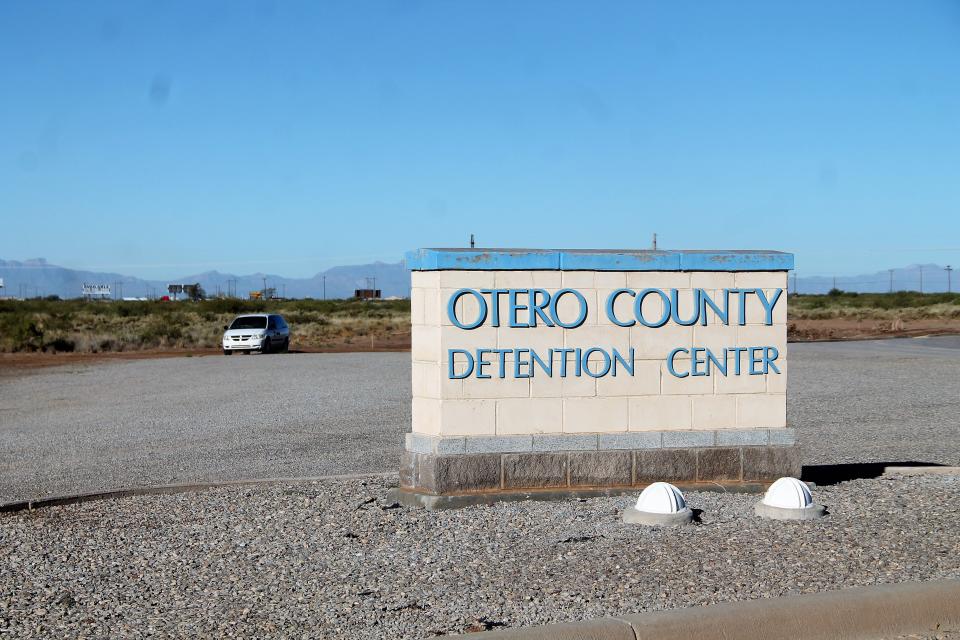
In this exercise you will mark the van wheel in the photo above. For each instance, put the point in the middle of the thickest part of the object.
(265, 346)
(286, 346)
(227, 352)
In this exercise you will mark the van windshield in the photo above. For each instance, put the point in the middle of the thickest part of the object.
(249, 322)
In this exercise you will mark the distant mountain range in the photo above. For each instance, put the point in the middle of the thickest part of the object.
(40, 278)
(929, 278)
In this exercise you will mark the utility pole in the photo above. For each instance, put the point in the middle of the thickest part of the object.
(654, 242)
(834, 282)
(949, 285)
(921, 279)
(324, 287)
(472, 245)
(284, 285)
(891, 280)
(264, 294)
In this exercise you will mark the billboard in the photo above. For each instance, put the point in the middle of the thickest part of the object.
(96, 289)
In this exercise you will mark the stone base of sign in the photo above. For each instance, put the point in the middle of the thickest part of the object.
(632, 515)
(569, 471)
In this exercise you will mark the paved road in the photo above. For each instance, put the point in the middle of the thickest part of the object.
(143, 422)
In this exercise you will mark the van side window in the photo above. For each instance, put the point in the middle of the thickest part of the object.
(272, 323)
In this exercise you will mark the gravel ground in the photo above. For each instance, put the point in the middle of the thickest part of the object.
(334, 559)
(146, 422)
(877, 400)
(177, 420)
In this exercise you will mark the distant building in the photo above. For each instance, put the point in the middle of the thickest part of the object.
(367, 294)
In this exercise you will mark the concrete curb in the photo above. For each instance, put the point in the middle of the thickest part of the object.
(862, 613)
(921, 471)
(54, 501)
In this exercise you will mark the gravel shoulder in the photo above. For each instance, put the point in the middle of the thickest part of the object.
(334, 559)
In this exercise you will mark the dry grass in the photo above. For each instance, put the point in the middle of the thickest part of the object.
(901, 305)
(52, 325)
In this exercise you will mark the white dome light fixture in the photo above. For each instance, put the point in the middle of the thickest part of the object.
(660, 504)
(789, 499)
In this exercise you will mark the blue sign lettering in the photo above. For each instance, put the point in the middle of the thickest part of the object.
(529, 308)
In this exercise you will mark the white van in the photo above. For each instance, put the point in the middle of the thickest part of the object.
(263, 332)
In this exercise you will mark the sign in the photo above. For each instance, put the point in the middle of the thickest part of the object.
(96, 289)
(536, 369)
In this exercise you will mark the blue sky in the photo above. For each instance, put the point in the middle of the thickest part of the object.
(162, 138)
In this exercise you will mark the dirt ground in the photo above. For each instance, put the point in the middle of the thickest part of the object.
(804, 330)
(21, 362)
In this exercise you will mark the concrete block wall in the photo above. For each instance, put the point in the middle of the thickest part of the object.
(651, 400)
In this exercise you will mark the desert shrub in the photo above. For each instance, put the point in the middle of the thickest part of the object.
(889, 301)
(61, 344)
(108, 344)
(232, 306)
(26, 334)
(159, 331)
(133, 308)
